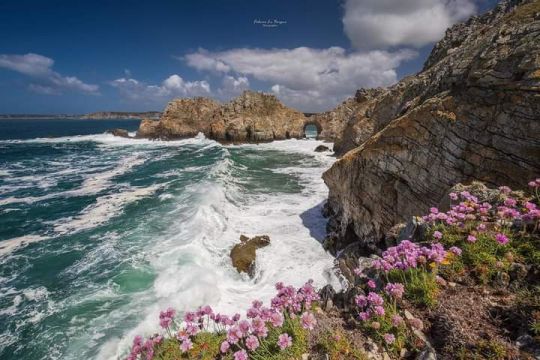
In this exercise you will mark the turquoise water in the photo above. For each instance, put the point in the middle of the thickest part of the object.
(98, 233)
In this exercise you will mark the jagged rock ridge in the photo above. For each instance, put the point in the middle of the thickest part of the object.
(251, 117)
(473, 113)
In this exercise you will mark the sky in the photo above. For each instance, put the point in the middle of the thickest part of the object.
(76, 56)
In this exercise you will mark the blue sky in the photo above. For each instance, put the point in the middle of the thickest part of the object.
(82, 56)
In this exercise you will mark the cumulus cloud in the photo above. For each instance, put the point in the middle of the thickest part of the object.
(173, 86)
(45, 80)
(307, 78)
(372, 24)
(232, 86)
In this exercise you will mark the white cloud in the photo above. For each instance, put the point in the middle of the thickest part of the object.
(232, 86)
(307, 78)
(47, 81)
(372, 24)
(173, 86)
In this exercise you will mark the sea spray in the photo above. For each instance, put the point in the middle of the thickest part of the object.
(154, 230)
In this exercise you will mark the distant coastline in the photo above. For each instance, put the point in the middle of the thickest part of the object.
(102, 115)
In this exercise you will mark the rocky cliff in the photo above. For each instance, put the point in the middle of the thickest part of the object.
(182, 118)
(251, 117)
(353, 113)
(473, 113)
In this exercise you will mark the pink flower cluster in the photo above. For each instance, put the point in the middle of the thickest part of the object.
(242, 336)
(469, 210)
(143, 349)
(408, 255)
(535, 184)
(370, 305)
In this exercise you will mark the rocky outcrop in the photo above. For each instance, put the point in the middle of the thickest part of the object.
(322, 148)
(473, 113)
(256, 117)
(182, 118)
(119, 132)
(243, 255)
(352, 114)
(251, 117)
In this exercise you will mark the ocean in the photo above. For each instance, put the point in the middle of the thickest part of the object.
(100, 233)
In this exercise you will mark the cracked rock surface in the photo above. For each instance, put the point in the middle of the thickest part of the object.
(473, 113)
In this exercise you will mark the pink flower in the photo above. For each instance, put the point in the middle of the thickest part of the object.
(501, 239)
(371, 284)
(308, 321)
(389, 338)
(379, 310)
(363, 316)
(252, 343)
(375, 299)
(395, 290)
(190, 317)
(241, 355)
(471, 238)
(505, 190)
(510, 202)
(434, 210)
(397, 320)
(186, 345)
(284, 341)
(437, 235)
(361, 301)
(534, 184)
(276, 319)
(455, 250)
(453, 196)
(481, 227)
(243, 326)
(224, 347)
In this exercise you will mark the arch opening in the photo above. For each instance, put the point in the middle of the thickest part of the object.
(312, 130)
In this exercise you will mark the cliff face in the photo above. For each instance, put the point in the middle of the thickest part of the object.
(251, 117)
(352, 113)
(473, 113)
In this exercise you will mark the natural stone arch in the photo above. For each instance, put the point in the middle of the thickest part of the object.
(314, 122)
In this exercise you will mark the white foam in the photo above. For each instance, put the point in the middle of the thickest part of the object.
(111, 140)
(92, 184)
(192, 259)
(7, 246)
(105, 207)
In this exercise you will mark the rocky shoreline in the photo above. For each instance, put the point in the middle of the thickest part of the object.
(448, 143)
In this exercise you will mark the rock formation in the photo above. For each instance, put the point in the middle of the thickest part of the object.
(473, 113)
(182, 118)
(251, 117)
(322, 148)
(243, 254)
(119, 132)
(255, 117)
(352, 114)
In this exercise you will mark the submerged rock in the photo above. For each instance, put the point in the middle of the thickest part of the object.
(243, 255)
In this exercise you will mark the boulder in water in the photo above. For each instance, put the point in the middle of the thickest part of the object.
(322, 148)
(119, 132)
(243, 254)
